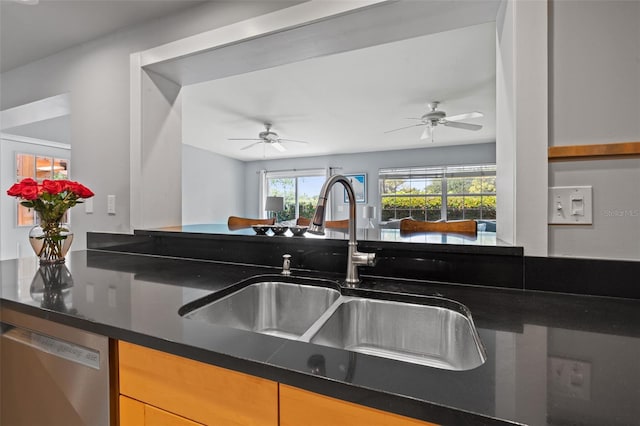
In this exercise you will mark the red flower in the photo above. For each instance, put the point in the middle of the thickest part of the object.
(26, 186)
(15, 190)
(53, 186)
(79, 189)
(84, 192)
(71, 186)
(29, 192)
(51, 198)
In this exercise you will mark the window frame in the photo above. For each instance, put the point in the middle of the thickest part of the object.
(34, 175)
(287, 174)
(445, 173)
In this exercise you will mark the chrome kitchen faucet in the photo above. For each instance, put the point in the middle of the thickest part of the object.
(355, 258)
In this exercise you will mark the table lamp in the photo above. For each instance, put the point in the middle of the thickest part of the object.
(369, 212)
(275, 205)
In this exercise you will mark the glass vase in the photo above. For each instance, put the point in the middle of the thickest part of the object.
(51, 286)
(51, 241)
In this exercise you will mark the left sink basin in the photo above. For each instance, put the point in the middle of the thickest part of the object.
(277, 308)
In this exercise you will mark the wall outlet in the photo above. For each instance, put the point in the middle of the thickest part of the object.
(570, 378)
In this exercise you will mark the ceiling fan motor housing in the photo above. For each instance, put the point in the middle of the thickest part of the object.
(268, 136)
(433, 117)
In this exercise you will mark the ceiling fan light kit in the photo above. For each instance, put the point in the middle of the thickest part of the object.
(435, 116)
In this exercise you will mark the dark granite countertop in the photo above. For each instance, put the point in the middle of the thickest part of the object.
(553, 359)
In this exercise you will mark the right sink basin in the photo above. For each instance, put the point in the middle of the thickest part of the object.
(439, 335)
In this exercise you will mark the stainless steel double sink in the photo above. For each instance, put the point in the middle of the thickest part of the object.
(424, 330)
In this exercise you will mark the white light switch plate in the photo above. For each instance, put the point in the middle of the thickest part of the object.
(569, 378)
(570, 205)
(111, 204)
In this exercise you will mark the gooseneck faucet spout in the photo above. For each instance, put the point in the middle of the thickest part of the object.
(355, 258)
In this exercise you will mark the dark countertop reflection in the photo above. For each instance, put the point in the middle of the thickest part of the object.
(553, 359)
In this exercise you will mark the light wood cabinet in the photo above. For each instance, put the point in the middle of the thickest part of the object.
(136, 413)
(300, 407)
(195, 390)
(160, 389)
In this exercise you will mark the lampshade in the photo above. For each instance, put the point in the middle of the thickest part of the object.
(274, 204)
(369, 212)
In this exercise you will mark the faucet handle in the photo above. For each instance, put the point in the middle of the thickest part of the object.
(364, 259)
(286, 264)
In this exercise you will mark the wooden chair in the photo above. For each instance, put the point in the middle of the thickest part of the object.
(235, 222)
(335, 224)
(456, 226)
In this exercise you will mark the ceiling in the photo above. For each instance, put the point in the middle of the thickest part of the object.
(54, 129)
(32, 29)
(344, 103)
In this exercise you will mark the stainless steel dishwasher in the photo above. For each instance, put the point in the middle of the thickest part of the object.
(52, 374)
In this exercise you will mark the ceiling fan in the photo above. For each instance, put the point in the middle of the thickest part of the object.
(434, 117)
(267, 137)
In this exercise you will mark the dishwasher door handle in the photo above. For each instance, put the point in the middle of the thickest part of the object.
(70, 351)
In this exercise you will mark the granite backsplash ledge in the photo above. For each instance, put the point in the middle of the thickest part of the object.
(486, 266)
(468, 265)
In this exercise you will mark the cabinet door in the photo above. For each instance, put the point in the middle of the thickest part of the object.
(131, 412)
(300, 407)
(136, 413)
(195, 390)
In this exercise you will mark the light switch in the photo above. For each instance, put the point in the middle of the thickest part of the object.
(88, 205)
(111, 204)
(577, 204)
(570, 205)
(569, 378)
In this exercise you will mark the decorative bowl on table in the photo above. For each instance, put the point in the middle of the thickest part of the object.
(279, 229)
(298, 230)
(261, 229)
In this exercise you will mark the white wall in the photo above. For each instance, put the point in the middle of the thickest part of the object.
(213, 187)
(14, 240)
(369, 163)
(96, 74)
(505, 131)
(521, 139)
(159, 193)
(595, 98)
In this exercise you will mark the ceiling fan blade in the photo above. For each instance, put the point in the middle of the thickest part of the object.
(249, 146)
(466, 126)
(405, 127)
(474, 114)
(243, 139)
(427, 132)
(292, 140)
(278, 146)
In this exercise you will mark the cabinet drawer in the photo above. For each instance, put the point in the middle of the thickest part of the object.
(195, 390)
(300, 407)
(136, 413)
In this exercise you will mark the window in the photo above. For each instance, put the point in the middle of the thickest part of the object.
(438, 193)
(300, 190)
(38, 167)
